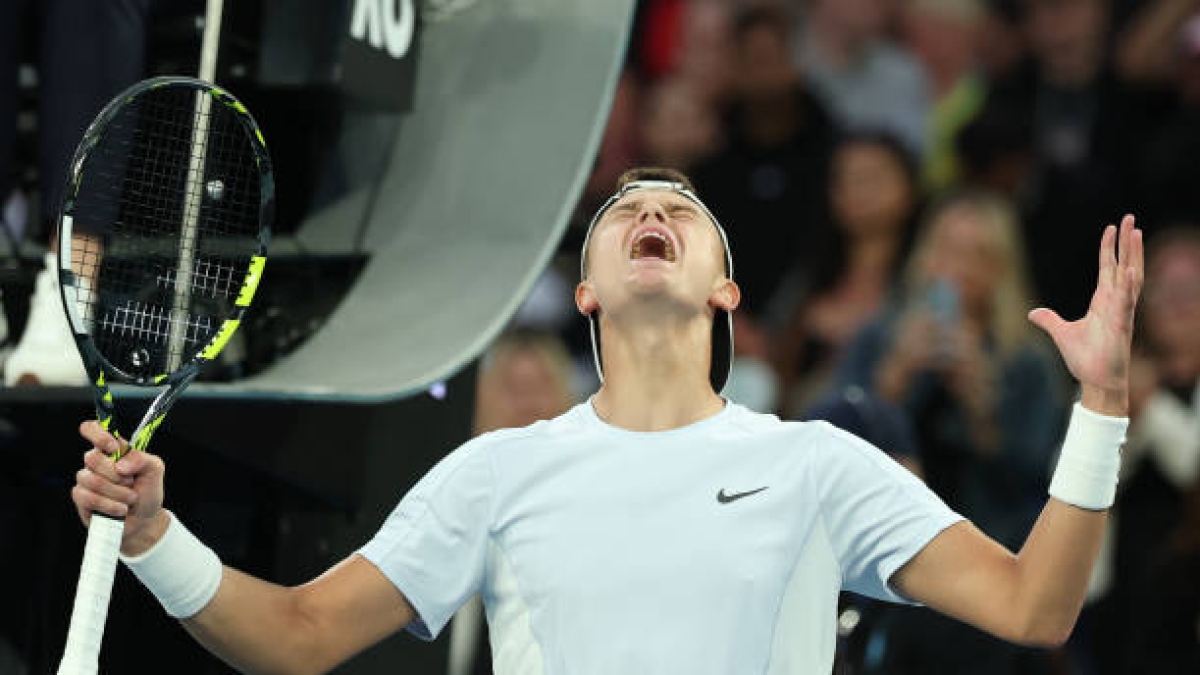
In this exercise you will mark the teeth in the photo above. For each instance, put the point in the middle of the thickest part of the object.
(668, 249)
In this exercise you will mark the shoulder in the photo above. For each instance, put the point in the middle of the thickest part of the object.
(838, 455)
(570, 424)
(794, 435)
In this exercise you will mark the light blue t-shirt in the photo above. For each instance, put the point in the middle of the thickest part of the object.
(719, 547)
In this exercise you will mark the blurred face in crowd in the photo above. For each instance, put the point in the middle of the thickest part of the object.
(945, 35)
(655, 250)
(678, 126)
(1001, 44)
(519, 387)
(706, 59)
(1067, 37)
(764, 63)
(1172, 308)
(856, 21)
(961, 251)
(870, 189)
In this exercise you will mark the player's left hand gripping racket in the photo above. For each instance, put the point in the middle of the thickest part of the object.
(162, 241)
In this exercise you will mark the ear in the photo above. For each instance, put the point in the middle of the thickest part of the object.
(585, 299)
(726, 295)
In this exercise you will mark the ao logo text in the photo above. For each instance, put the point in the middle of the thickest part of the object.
(384, 24)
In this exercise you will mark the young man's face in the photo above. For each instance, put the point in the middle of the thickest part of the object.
(655, 247)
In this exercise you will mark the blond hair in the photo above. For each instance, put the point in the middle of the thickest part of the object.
(1012, 295)
(543, 346)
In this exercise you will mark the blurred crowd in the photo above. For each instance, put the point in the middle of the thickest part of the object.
(901, 182)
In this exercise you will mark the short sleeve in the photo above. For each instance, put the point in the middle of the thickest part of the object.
(434, 544)
(877, 513)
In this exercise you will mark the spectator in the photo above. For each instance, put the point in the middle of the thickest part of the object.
(1165, 623)
(873, 195)
(678, 125)
(1167, 170)
(957, 352)
(864, 79)
(1082, 146)
(1172, 310)
(706, 59)
(687, 39)
(995, 152)
(944, 35)
(767, 182)
(1161, 458)
(1165, 418)
(88, 52)
(525, 377)
(1001, 47)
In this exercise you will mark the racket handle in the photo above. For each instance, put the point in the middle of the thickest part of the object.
(82, 653)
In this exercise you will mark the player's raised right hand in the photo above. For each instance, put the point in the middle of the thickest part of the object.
(131, 488)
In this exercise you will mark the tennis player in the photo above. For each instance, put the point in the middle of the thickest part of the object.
(659, 528)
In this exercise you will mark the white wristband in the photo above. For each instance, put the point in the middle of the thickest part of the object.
(1090, 460)
(179, 570)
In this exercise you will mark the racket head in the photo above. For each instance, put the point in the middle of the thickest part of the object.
(163, 230)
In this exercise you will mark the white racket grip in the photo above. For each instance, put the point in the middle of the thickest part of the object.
(82, 653)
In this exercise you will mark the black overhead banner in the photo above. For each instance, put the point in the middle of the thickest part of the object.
(379, 62)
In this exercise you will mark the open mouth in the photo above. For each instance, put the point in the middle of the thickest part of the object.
(652, 245)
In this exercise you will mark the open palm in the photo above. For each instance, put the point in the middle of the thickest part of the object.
(1096, 348)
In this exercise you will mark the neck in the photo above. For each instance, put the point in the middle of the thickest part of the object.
(656, 373)
(872, 255)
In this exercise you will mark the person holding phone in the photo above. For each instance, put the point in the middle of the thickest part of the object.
(983, 393)
(956, 352)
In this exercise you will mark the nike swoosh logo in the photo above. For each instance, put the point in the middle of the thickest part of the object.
(725, 499)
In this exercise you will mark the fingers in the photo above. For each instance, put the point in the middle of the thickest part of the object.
(100, 464)
(131, 467)
(110, 487)
(1129, 249)
(1130, 265)
(1125, 235)
(99, 437)
(1108, 255)
(1137, 260)
(88, 502)
(1048, 320)
(98, 487)
(103, 487)
(140, 465)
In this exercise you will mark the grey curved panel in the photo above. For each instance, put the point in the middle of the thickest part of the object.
(511, 101)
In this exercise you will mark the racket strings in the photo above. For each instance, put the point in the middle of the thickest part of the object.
(212, 279)
(171, 193)
(148, 322)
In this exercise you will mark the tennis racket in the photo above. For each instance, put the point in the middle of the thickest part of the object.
(161, 244)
